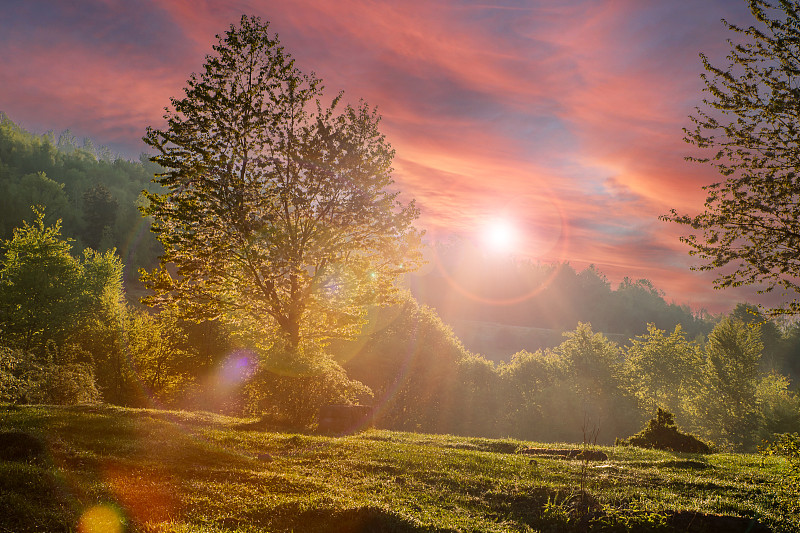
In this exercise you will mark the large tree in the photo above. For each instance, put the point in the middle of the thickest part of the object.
(278, 212)
(725, 408)
(749, 232)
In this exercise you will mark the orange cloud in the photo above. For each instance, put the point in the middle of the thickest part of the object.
(565, 116)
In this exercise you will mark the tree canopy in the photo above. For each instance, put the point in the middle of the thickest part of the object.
(749, 233)
(45, 292)
(94, 195)
(278, 213)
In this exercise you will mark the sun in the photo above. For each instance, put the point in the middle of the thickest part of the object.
(500, 236)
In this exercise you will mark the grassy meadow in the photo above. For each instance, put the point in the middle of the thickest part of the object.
(113, 469)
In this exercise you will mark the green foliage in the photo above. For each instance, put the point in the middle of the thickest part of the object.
(778, 406)
(592, 360)
(157, 348)
(45, 292)
(35, 170)
(40, 286)
(749, 232)
(277, 212)
(478, 391)
(529, 381)
(35, 188)
(60, 380)
(663, 370)
(142, 358)
(593, 373)
(725, 409)
(661, 433)
(787, 445)
(100, 213)
(70, 315)
(528, 372)
(410, 359)
(771, 335)
(294, 400)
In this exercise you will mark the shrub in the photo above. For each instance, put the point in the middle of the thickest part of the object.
(661, 433)
(786, 445)
(24, 379)
(292, 391)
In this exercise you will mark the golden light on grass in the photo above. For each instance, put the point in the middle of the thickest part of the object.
(101, 519)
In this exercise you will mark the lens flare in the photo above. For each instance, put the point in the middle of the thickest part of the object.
(507, 243)
(500, 236)
(237, 368)
(101, 519)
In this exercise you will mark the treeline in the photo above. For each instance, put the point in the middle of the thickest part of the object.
(720, 388)
(94, 193)
(466, 284)
(69, 334)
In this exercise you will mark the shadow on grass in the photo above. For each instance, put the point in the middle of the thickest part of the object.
(33, 499)
(289, 517)
(21, 446)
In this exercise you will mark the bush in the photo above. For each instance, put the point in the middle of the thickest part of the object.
(25, 379)
(290, 387)
(786, 445)
(10, 382)
(67, 384)
(661, 433)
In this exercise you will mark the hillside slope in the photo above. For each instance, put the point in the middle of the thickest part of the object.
(92, 468)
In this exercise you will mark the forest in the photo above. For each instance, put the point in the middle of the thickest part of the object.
(73, 330)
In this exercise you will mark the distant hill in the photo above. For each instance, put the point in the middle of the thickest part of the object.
(498, 342)
(95, 193)
(499, 306)
(496, 306)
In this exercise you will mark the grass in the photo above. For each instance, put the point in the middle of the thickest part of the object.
(167, 471)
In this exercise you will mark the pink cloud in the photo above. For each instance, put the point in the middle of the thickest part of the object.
(565, 116)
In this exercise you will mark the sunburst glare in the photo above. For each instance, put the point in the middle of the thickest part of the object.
(500, 236)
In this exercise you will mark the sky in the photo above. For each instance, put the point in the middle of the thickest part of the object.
(561, 120)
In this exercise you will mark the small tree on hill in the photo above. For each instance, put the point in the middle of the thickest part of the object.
(661, 433)
(278, 213)
(45, 292)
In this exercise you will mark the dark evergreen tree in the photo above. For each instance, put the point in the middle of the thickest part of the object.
(99, 213)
